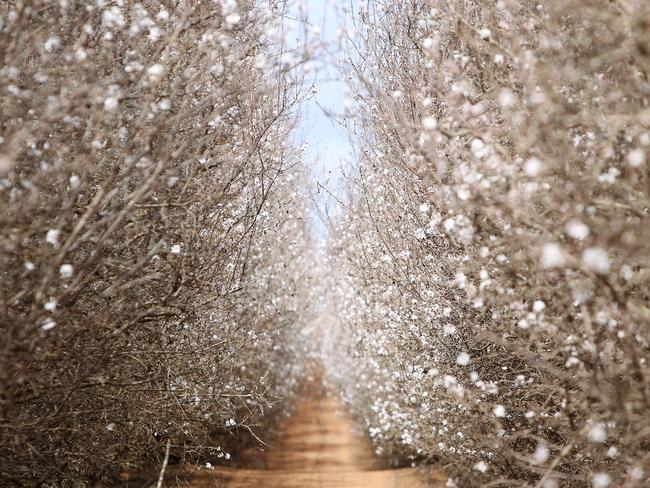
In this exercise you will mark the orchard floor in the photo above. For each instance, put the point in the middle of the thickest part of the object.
(317, 448)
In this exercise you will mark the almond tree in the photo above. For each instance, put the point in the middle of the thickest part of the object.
(495, 303)
(151, 232)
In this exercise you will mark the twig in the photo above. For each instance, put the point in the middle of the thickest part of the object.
(164, 464)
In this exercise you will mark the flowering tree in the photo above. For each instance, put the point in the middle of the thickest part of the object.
(151, 230)
(493, 300)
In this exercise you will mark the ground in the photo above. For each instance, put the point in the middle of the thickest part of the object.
(318, 446)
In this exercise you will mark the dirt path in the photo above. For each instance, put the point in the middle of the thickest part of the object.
(318, 449)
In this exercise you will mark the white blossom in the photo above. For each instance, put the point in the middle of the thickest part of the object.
(233, 19)
(428, 43)
(596, 259)
(66, 271)
(485, 33)
(429, 123)
(636, 158)
(577, 229)
(481, 466)
(553, 256)
(538, 306)
(533, 167)
(601, 480)
(506, 98)
(644, 139)
(155, 71)
(80, 54)
(541, 454)
(636, 473)
(500, 411)
(463, 359)
(597, 433)
(48, 324)
(52, 44)
(113, 18)
(52, 237)
(111, 104)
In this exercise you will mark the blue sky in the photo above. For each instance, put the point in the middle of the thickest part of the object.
(328, 142)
